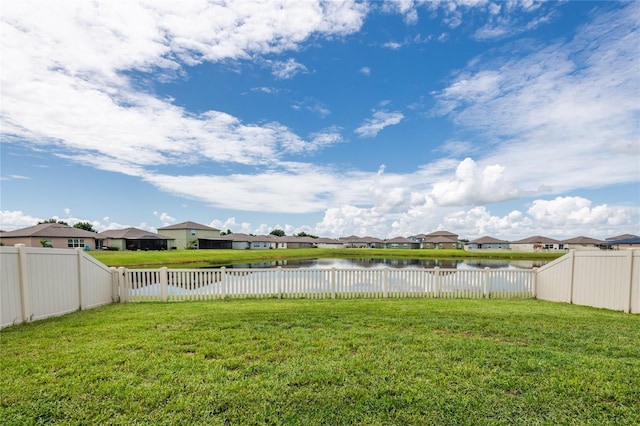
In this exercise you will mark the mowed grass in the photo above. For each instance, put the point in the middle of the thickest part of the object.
(333, 362)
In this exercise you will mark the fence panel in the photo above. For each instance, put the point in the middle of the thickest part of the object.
(553, 280)
(54, 282)
(10, 293)
(97, 283)
(602, 280)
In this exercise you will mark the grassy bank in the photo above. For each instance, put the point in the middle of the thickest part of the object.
(465, 362)
(197, 258)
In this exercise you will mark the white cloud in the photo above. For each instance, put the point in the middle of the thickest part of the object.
(287, 69)
(76, 52)
(165, 218)
(351, 220)
(473, 185)
(577, 100)
(10, 220)
(365, 70)
(563, 212)
(379, 121)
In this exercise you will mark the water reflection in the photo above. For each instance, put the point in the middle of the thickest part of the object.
(394, 263)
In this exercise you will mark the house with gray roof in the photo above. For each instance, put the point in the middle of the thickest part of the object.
(56, 235)
(137, 239)
(401, 242)
(584, 243)
(487, 243)
(537, 243)
(240, 241)
(437, 240)
(189, 234)
(354, 241)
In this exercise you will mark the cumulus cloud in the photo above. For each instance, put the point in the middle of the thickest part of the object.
(10, 220)
(474, 185)
(351, 220)
(379, 121)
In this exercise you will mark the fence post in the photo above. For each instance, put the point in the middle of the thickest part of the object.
(115, 296)
(164, 283)
(486, 282)
(122, 285)
(80, 283)
(534, 284)
(279, 282)
(572, 255)
(24, 283)
(436, 292)
(223, 282)
(629, 255)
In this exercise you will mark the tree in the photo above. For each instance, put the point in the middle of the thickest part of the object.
(87, 226)
(277, 232)
(53, 220)
(227, 232)
(304, 234)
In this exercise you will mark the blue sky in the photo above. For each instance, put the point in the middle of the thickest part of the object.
(387, 119)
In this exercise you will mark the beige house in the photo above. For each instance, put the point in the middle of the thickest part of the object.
(54, 235)
(188, 234)
(537, 244)
(437, 240)
(584, 243)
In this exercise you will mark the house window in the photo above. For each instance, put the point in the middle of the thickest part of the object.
(75, 242)
(193, 232)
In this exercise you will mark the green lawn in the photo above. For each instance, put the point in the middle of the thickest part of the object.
(371, 362)
(197, 258)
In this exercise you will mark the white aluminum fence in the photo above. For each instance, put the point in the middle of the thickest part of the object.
(139, 285)
(38, 283)
(608, 280)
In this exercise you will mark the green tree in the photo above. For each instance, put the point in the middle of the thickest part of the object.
(304, 234)
(277, 232)
(87, 226)
(53, 220)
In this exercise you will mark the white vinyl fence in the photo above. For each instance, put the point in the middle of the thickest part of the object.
(139, 285)
(38, 283)
(608, 280)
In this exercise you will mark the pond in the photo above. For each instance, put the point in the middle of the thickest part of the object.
(329, 263)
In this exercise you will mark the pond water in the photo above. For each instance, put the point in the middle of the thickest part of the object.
(396, 263)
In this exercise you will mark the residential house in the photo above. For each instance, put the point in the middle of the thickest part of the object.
(584, 243)
(354, 241)
(189, 234)
(295, 242)
(487, 243)
(241, 241)
(537, 244)
(437, 240)
(137, 239)
(329, 243)
(401, 242)
(56, 235)
(625, 243)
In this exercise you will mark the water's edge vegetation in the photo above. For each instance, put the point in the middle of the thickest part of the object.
(201, 258)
